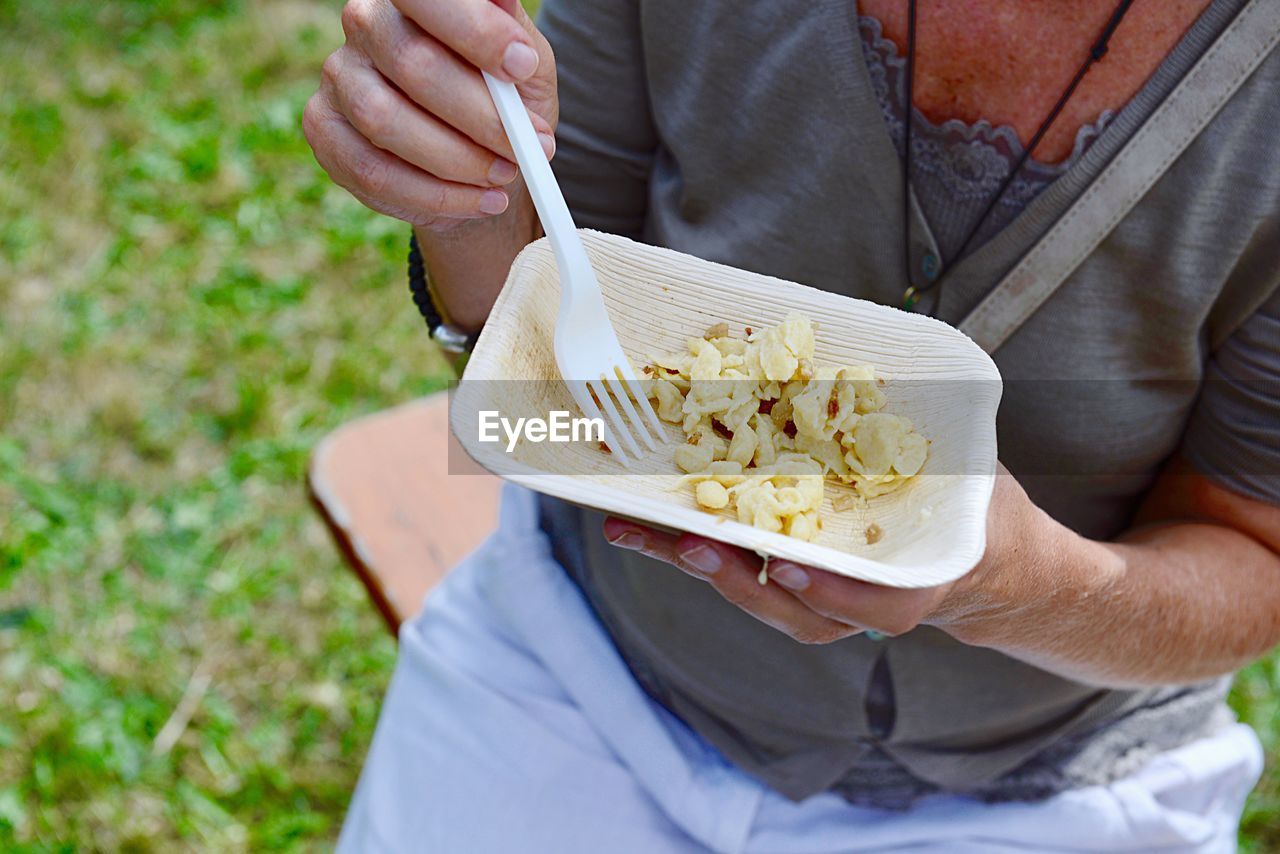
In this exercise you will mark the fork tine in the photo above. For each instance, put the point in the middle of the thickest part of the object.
(578, 389)
(619, 390)
(637, 391)
(619, 426)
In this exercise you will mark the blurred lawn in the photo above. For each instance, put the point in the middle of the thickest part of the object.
(186, 306)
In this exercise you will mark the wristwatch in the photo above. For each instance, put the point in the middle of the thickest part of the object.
(450, 338)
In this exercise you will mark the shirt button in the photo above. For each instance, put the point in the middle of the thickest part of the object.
(929, 266)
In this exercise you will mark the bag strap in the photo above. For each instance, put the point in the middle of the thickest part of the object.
(1236, 54)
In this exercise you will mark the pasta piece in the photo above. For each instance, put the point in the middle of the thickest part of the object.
(713, 495)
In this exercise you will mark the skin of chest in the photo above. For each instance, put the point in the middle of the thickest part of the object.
(1008, 61)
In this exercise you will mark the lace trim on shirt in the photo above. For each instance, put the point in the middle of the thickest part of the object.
(1094, 758)
(969, 160)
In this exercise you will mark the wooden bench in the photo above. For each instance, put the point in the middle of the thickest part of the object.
(404, 503)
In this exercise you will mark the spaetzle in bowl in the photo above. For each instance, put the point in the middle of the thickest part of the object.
(765, 425)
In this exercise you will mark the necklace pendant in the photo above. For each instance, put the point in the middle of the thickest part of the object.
(909, 298)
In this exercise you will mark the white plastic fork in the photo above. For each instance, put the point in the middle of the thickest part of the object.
(588, 354)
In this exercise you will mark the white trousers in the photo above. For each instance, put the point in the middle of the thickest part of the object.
(512, 725)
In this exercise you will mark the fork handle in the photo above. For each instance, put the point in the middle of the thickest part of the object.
(541, 181)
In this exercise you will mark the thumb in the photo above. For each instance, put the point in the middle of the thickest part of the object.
(539, 91)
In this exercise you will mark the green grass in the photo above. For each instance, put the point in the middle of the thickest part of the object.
(186, 306)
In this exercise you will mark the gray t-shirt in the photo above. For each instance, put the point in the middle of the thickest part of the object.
(752, 136)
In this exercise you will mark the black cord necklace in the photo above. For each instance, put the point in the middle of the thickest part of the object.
(913, 292)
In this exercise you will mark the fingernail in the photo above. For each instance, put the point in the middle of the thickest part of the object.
(519, 61)
(493, 202)
(502, 172)
(632, 540)
(548, 144)
(702, 558)
(790, 577)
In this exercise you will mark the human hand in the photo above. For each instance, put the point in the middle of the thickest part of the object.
(403, 119)
(814, 606)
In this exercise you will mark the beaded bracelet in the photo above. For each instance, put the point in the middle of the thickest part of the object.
(450, 338)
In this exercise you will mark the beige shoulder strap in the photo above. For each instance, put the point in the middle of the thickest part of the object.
(1230, 61)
